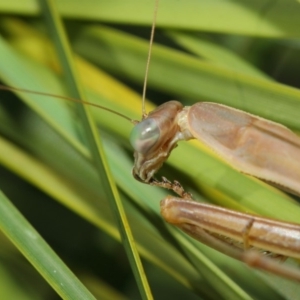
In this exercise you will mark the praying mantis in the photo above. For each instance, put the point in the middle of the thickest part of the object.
(232, 134)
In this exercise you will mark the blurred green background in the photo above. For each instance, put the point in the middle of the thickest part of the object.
(240, 53)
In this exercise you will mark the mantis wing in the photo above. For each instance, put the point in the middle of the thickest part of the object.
(252, 145)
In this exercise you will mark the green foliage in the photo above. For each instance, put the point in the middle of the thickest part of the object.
(239, 53)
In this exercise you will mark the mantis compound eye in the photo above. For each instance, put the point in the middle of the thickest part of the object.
(144, 135)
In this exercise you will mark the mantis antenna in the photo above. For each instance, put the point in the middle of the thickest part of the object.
(134, 122)
(12, 89)
(144, 113)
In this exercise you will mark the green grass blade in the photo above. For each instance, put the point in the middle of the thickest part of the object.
(188, 77)
(39, 254)
(106, 180)
(213, 52)
(259, 18)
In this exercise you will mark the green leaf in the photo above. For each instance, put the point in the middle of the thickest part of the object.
(45, 148)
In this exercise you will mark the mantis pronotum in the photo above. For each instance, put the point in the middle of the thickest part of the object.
(166, 183)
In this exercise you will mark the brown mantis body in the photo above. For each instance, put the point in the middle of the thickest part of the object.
(254, 146)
